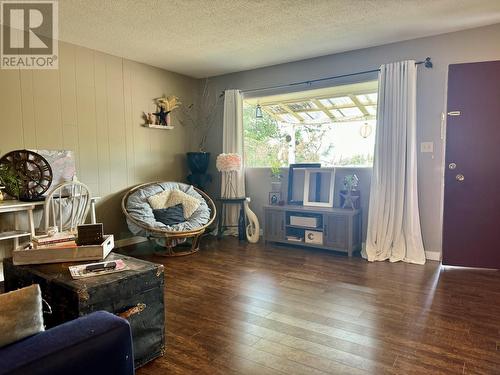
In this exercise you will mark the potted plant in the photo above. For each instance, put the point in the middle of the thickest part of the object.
(276, 176)
(350, 196)
(9, 182)
(200, 118)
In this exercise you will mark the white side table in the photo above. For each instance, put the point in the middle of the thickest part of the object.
(17, 207)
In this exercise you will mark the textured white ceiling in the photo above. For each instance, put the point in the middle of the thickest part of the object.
(202, 38)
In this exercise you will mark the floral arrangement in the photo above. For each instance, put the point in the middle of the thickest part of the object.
(164, 106)
(169, 103)
(228, 162)
(202, 117)
(351, 182)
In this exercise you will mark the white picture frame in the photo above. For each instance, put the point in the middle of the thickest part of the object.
(330, 177)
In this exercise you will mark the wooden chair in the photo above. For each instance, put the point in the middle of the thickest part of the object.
(75, 197)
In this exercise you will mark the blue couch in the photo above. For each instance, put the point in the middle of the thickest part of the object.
(98, 343)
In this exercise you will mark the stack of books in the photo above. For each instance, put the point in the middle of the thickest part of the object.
(63, 240)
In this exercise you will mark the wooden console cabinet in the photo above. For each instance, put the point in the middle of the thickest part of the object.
(340, 229)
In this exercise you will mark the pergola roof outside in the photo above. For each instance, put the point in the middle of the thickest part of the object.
(357, 106)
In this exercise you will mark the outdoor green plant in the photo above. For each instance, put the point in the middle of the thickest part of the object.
(8, 178)
(268, 142)
(276, 170)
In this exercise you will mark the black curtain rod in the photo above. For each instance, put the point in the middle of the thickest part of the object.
(427, 63)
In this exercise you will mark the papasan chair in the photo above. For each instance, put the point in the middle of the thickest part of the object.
(141, 219)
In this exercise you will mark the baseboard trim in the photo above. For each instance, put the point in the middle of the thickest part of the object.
(433, 255)
(429, 255)
(130, 241)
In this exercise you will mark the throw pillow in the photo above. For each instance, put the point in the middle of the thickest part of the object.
(170, 216)
(159, 200)
(189, 203)
(20, 314)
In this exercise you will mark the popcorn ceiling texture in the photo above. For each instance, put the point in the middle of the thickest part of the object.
(203, 38)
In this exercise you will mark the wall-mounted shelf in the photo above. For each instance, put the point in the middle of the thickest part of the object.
(169, 127)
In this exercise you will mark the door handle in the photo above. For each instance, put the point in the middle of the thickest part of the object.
(459, 177)
(452, 166)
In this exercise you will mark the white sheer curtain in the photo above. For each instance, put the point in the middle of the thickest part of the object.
(393, 219)
(232, 142)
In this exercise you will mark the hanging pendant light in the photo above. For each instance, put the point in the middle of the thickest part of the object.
(366, 130)
(258, 111)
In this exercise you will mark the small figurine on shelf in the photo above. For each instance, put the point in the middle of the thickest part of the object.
(163, 118)
(149, 118)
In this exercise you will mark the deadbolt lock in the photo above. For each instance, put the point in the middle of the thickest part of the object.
(452, 166)
(460, 177)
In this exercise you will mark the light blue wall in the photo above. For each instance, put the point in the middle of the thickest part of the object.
(479, 44)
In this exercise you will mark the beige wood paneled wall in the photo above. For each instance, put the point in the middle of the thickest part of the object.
(93, 105)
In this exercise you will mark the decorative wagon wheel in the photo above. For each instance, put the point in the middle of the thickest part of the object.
(33, 171)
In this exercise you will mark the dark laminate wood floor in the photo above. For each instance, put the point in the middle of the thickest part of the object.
(253, 309)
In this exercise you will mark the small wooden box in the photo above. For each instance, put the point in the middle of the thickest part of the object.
(60, 255)
(314, 237)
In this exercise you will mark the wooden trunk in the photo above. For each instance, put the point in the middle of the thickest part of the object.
(135, 294)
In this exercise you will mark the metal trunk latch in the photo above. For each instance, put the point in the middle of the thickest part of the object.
(132, 311)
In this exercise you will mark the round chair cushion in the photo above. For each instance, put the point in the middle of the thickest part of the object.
(139, 209)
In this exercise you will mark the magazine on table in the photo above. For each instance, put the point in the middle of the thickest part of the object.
(96, 269)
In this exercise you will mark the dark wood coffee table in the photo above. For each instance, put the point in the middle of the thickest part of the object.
(135, 294)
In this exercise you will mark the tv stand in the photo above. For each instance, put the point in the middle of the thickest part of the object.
(335, 229)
